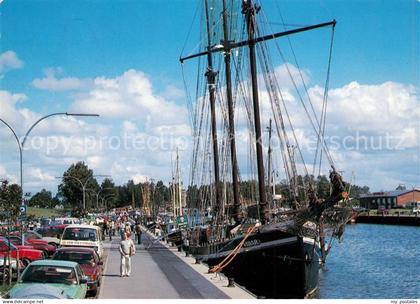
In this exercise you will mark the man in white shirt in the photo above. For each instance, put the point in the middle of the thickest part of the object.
(127, 249)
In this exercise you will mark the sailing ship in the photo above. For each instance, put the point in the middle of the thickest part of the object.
(277, 253)
(174, 233)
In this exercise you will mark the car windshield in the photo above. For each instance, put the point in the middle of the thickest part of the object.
(79, 257)
(79, 234)
(8, 244)
(15, 240)
(50, 232)
(49, 274)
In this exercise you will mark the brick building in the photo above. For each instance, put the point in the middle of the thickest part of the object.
(391, 199)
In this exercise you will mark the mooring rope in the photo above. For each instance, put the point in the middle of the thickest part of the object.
(231, 256)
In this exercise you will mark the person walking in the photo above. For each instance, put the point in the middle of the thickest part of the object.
(113, 227)
(127, 249)
(127, 228)
(138, 232)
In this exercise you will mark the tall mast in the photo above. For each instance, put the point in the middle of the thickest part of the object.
(211, 81)
(250, 10)
(179, 189)
(231, 113)
(173, 189)
(269, 163)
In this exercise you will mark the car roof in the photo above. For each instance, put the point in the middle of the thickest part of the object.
(54, 263)
(76, 249)
(83, 226)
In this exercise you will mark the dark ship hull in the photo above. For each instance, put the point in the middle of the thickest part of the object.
(271, 263)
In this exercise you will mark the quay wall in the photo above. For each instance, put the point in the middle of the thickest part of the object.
(389, 220)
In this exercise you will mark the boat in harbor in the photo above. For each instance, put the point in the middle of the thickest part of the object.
(274, 252)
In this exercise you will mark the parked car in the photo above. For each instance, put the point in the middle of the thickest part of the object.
(66, 221)
(48, 249)
(88, 260)
(382, 210)
(83, 236)
(416, 210)
(359, 209)
(33, 236)
(51, 234)
(66, 278)
(26, 254)
(32, 291)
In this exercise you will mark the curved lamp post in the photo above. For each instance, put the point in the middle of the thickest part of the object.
(105, 199)
(97, 195)
(21, 145)
(83, 184)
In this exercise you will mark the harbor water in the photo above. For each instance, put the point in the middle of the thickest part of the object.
(373, 261)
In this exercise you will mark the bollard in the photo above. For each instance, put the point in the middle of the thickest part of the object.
(197, 261)
(10, 269)
(4, 269)
(179, 248)
(231, 282)
(187, 254)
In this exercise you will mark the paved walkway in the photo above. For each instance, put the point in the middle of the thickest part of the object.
(157, 273)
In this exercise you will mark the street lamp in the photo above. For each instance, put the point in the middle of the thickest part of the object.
(83, 184)
(97, 194)
(21, 145)
(106, 199)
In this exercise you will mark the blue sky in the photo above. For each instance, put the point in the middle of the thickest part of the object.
(376, 42)
(90, 38)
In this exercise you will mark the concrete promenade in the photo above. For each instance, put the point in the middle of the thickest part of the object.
(157, 273)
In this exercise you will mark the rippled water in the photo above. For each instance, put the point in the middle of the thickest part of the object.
(373, 261)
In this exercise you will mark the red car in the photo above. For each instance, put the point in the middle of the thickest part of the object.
(33, 236)
(48, 249)
(26, 253)
(88, 260)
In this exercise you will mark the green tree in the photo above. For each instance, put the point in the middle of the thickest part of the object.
(356, 190)
(323, 189)
(109, 192)
(71, 187)
(160, 195)
(10, 200)
(43, 199)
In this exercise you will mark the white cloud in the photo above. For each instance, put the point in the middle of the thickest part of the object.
(388, 108)
(283, 73)
(5, 175)
(52, 83)
(139, 178)
(130, 95)
(9, 61)
(37, 174)
(173, 92)
(131, 107)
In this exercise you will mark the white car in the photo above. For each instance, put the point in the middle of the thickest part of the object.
(83, 236)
